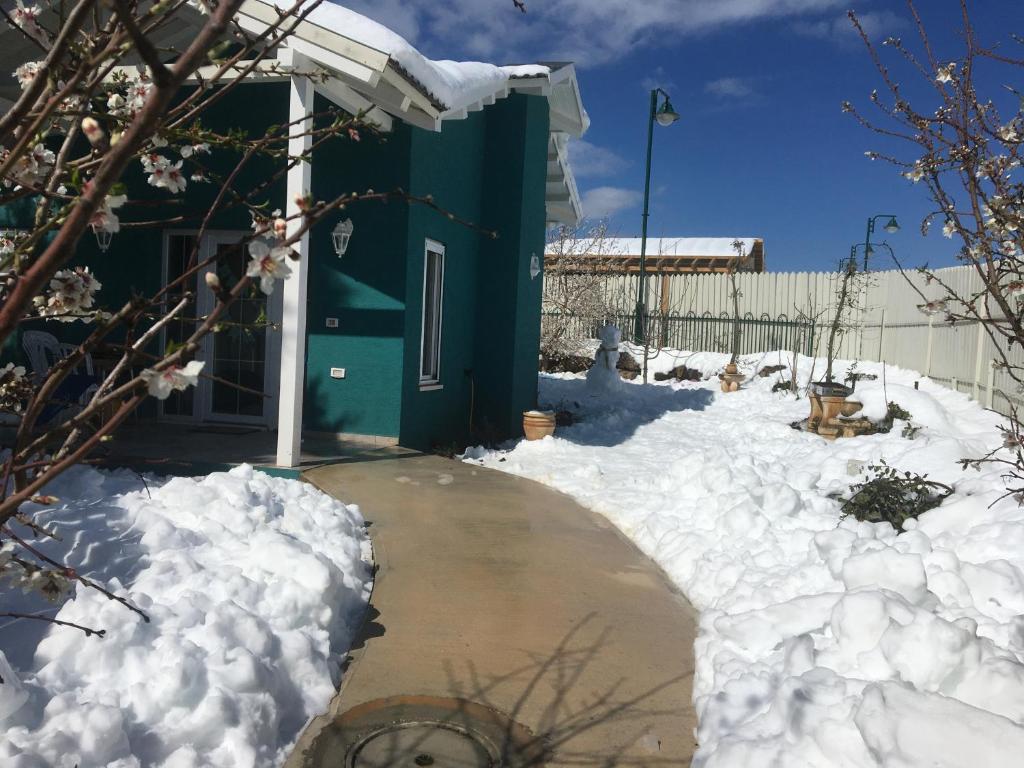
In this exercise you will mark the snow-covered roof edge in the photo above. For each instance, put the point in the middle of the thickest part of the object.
(673, 246)
(448, 88)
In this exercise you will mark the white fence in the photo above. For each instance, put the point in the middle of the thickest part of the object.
(886, 326)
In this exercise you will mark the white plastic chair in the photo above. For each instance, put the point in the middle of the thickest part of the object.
(44, 350)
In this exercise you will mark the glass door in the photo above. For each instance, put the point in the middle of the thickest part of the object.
(242, 356)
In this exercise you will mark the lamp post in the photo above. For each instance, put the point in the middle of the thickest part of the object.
(665, 115)
(890, 226)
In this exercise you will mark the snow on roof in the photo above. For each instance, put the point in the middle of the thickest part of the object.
(675, 246)
(444, 80)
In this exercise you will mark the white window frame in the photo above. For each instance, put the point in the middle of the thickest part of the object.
(428, 382)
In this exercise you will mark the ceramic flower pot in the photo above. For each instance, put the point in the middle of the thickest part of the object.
(538, 424)
(815, 418)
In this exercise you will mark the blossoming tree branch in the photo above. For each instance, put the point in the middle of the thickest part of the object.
(965, 148)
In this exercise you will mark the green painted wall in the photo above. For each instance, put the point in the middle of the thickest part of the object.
(365, 291)
(449, 166)
(489, 169)
(508, 321)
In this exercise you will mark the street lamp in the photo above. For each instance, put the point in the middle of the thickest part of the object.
(665, 115)
(891, 226)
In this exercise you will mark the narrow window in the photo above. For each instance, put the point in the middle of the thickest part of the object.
(433, 296)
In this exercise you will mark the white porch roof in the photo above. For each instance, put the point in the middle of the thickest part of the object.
(370, 68)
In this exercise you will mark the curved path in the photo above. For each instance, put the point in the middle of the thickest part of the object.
(498, 590)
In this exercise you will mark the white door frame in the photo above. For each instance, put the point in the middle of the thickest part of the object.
(205, 303)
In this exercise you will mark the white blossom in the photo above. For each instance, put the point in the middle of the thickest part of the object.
(1008, 133)
(916, 173)
(161, 383)
(15, 388)
(933, 307)
(33, 167)
(948, 228)
(163, 173)
(26, 73)
(268, 264)
(195, 149)
(945, 74)
(104, 218)
(70, 296)
(27, 18)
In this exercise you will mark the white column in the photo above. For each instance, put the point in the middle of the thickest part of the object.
(293, 324)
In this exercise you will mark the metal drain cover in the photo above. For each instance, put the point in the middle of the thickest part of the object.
(421, 744)
(418, 731)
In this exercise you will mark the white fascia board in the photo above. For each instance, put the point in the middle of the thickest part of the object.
(575, 121)
(569, 193)
(411, 95)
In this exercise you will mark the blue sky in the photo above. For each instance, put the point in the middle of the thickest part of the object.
(762, 149)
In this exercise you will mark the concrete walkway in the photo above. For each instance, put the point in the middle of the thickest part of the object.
(500, 591)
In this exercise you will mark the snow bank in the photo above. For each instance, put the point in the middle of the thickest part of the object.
(822, 642)
(254, 586)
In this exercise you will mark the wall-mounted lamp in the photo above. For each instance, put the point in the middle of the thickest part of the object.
(340, 236)
(534, 266)
(103, 237)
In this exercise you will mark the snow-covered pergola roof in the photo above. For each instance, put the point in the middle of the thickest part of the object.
(372, 69)
(678, 246)
(664, 254)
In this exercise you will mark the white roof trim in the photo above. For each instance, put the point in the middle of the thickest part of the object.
(562, 197)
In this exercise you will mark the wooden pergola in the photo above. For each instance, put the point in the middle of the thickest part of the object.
(663, 264)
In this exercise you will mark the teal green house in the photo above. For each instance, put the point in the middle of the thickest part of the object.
(424, 331)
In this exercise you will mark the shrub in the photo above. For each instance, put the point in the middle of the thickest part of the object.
(893, 497)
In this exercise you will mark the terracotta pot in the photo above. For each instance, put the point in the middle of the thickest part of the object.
(731, 368)
(538, 424)
(815, 418)
(831, 407)
(850, 407)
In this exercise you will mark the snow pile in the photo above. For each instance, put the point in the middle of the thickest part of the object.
(823, 641)
(254, 586)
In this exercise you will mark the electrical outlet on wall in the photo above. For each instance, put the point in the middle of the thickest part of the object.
(332, 322)
(337, 373)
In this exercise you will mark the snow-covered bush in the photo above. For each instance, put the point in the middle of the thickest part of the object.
(891, 496)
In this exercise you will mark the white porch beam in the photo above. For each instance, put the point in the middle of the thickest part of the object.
(293, 325)
(353, 102)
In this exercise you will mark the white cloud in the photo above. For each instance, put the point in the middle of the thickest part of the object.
(840, 30)
(659, 79)
(601, 202)
(584, 31)
(589, 160)
(730, 88)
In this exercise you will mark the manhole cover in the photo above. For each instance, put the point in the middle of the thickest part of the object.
(423, 731)
(421, 744)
